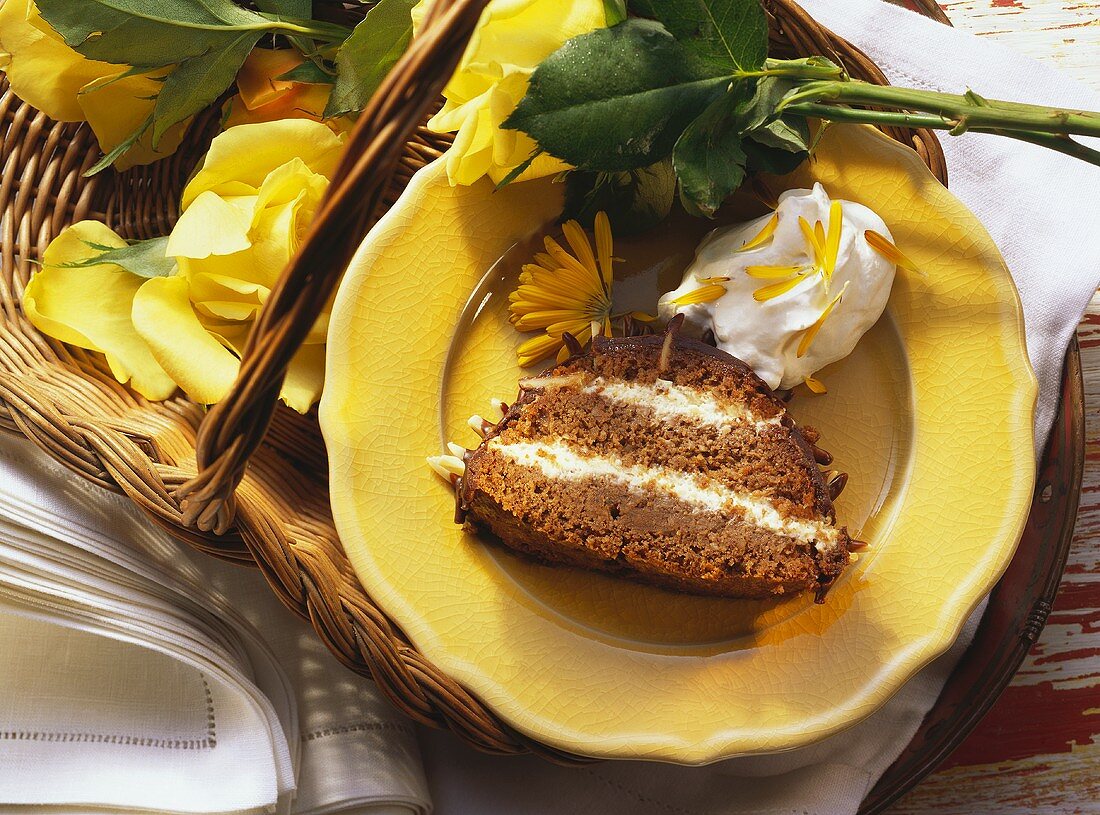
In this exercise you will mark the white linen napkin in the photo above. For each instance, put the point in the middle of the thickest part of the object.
(1043, 211)
(137, 675)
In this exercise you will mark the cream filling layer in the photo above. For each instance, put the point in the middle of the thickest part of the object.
(669, 401)
(560, 461)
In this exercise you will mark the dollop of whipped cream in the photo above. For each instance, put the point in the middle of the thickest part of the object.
(789, 308)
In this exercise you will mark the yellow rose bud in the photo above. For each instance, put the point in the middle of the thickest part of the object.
(46, 73)
(512, 38)
(243, 215)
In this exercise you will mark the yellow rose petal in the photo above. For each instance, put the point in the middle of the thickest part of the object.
(213, 225)
(42, 69)
(196, 360)
(117, 108)
(245, 155)
(90, 307)
(305, 377)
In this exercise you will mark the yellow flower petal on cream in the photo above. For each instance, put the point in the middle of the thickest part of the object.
(305, 376)
(811, 332)
(243, 156)
(765, 293)
(885, 247)
(213, 225)
(810, 234)
(815, 385)
(90, 307)
(704, 294)
(196, 360)
(763, 236)
(773, 272)
(832, 240)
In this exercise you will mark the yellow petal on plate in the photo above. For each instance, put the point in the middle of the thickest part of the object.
(885, 247)
(763, 236)
(305, 376)
(244, 155)
(537, 349)
(212, 225)
(90, 307)
(704, 294)
(815, 385)
(196, 360)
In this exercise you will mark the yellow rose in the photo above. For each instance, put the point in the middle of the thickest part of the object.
(51, 76)
(243, 216)
(512, 38)
(261, 97)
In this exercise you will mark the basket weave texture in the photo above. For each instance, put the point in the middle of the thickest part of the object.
(247, 480)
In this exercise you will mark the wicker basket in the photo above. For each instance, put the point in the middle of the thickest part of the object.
(247, 480)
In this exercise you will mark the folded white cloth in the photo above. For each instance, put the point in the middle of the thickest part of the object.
(1042, 210)
(141, 676)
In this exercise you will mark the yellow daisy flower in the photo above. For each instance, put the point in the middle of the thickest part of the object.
(564, 291)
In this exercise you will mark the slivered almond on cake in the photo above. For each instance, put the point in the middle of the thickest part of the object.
(662, 459)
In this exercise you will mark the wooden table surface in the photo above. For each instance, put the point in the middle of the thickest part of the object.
(1038, 750)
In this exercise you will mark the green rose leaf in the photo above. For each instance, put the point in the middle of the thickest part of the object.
(202, 43)
(198, 81)
(300, 9)
(149, 35)
(720, 35)
(143, 258)
(309, 73)
(708, 158)
(368, 55)
(614, 99)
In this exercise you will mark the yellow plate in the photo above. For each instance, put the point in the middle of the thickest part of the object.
(931, 416)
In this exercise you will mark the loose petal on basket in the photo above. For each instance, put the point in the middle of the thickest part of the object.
(193, 357)
(90, 307)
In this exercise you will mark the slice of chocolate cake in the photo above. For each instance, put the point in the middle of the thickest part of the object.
(662, 459)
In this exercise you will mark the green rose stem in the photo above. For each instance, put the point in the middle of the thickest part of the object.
(824, 91)
(316, 29)
(1060, 142)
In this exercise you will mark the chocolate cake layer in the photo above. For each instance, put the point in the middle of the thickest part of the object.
(741, 452)
(662, 459)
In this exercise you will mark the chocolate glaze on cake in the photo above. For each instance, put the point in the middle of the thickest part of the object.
(662, 459)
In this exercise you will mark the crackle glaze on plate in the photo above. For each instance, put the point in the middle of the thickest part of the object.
(931, 416)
